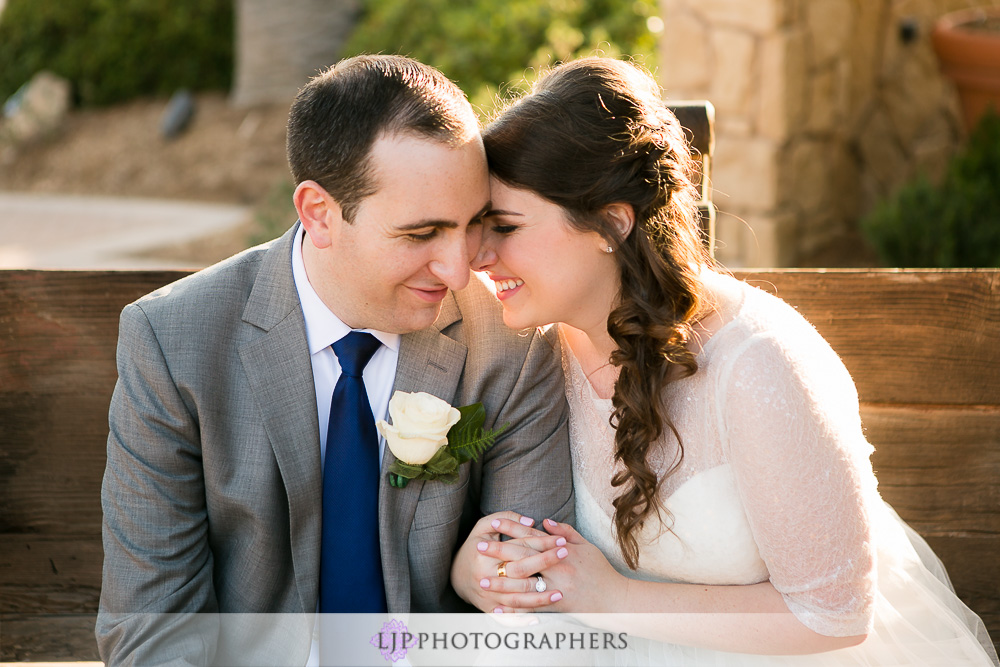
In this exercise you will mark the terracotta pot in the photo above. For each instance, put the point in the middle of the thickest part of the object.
(967, 44)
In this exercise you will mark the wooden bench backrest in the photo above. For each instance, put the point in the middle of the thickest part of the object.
(923, 347)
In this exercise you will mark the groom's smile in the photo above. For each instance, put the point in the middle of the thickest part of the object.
(430, 295)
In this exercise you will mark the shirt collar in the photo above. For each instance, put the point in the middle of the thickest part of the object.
(323, 328)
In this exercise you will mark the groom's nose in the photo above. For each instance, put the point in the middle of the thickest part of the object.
(451, 262)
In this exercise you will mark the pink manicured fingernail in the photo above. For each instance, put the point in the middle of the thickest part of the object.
(562, 553)
(555, 597)
(482, 546)
(485, 583)
(561, 542)
(496, 523)
(551, 523)
(526, 520)
(498, 610)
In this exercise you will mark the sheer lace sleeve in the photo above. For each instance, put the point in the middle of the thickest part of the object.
(790, 427)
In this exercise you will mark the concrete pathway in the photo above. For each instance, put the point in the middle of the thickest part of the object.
(44, 231)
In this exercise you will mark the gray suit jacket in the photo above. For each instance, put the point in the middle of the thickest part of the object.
(212, 492)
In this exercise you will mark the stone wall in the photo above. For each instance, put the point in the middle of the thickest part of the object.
(822, 108)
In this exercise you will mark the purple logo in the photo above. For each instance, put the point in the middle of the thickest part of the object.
(393, 640)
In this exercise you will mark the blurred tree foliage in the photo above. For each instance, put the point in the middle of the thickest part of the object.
(954, 223)
(114, 50)
(489, 47)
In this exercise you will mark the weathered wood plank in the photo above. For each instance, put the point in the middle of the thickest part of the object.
(54, 325)
(51, 574)
(38, 600)
(938, 467)
(58, 332)
(48, 638)
(54, 454)
(919, 337)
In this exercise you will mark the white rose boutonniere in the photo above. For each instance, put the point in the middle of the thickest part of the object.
(431, 439)
(420, 425)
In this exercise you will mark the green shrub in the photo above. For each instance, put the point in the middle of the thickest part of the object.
(115, 50)
(952, 224)
(488, 46)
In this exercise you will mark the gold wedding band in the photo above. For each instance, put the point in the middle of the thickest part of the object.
(502, 568)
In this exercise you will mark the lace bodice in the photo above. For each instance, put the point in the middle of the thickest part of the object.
(775, 481)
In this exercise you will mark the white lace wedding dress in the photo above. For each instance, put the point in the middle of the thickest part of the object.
(775, 483)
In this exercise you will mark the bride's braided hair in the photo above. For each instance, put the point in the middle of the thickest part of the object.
(594, 132)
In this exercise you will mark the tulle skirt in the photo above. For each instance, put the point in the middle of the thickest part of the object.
(918, 620)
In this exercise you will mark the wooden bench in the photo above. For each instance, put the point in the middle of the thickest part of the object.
(923, 347)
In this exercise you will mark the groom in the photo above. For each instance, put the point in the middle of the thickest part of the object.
(227, 421)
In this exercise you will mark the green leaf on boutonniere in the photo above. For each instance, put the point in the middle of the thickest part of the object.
(467, 440)
(406, 470)
(443, 465)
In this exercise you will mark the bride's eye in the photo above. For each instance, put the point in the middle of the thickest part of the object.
(503, 229)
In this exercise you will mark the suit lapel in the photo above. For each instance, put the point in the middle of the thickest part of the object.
(279, 370)
(432, 362)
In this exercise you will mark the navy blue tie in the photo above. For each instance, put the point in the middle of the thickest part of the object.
(350, 575)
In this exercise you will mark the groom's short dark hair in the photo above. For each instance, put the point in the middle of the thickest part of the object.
(337, 117)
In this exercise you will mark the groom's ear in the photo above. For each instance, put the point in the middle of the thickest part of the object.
(320, 213)
(622, 216)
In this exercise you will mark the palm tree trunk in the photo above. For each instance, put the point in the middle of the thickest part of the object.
(281, 43)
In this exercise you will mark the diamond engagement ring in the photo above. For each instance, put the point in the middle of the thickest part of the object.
(502, 569)
(540, 586)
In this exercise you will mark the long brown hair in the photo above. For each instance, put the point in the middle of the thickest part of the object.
(594, 132)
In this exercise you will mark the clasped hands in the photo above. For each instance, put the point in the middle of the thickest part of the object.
(577, 576)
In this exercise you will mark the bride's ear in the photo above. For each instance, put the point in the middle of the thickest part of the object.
(622, 216)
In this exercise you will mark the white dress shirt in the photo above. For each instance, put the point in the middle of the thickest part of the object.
(323, 329)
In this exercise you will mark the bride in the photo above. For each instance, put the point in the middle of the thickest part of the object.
(721, 474)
